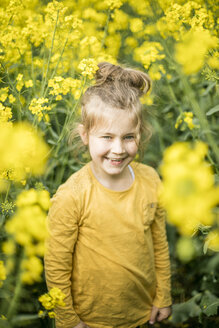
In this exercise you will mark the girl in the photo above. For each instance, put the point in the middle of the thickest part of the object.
(107, 248)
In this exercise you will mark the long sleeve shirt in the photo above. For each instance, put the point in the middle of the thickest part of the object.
(107, 250)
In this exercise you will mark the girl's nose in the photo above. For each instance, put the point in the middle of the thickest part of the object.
(117, 147)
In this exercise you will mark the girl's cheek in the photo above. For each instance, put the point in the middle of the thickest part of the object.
(132, 149)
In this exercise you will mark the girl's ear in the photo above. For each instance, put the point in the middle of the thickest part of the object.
(83, 134)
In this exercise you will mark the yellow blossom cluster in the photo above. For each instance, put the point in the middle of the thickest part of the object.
(32, 269)
(28, 224)
(88, 67)
(39, 108)
(188, 191)
(212, 240)
(60, 86)
(186, 117)
(114, 4)
(5, 113)
(28, 229)
(20, 82)
(7, 207)
(3, 94)
(192, 52)
(148, 53)
(2, 273)
(22, 150)
(178, 17)
(55, 297)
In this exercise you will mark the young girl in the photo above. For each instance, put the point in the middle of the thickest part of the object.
(107, 248)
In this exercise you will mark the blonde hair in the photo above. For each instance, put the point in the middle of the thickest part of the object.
(117, 88)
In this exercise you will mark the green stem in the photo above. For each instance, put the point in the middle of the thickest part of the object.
(32, 72)
(55, 69)
(106, 28)
(7, 192)
(50, 55)
(15, 92)
(14, 302)
(68, 120)
(198, 112)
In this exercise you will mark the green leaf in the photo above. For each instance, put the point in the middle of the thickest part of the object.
(24, 319)
(186, 310)
(209, 303)
(213, 110)
(52, 142)
(209, 88)
(211, 309)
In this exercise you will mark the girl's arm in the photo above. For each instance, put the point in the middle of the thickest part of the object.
(161, 257)
(63, 231)
(162, 261)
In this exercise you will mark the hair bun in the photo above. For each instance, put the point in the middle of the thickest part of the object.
(131, 78)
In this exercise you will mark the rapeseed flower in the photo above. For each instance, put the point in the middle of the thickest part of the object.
(5, 113)
(32, 269)
(186, 117)
(22, 150)
(60, 86)
(2, 273)
(55, 297)
(3, 94)
(148, 53)
(39, 107)
(114, 4)
(188, 191)
(212, 240)
(88, 67)
(20, 82)
(192, 52)
(28, 225)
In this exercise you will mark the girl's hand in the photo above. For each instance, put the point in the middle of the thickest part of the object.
(159, 314)
(81, 325)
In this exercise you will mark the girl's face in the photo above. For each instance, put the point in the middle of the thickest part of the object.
(113, 146)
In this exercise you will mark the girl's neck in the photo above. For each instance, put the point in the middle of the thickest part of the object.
(114, 182)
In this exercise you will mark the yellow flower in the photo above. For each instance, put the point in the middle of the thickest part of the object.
(41, 314)
(8, 247)
(186, 117)
(32, 269)
(51, 314)
(88, 67)
(53, 298)
(136, 25)
(148, 53)
(2, 272)
(11, 99)
(20, 82)
(29, 84)
(186, 51)
(114, 4)
(5, 113)
(38, 107)
(188, 190)
(212, 240)
(21, 147)
(3, 94)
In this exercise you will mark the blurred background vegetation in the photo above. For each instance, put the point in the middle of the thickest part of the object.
(49, 52)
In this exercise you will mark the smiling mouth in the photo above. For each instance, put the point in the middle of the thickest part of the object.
(115, 160)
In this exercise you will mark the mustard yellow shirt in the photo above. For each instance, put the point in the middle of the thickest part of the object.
(107, 250)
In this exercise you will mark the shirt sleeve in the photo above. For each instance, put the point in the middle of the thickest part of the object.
(161, 258)
(62, 223)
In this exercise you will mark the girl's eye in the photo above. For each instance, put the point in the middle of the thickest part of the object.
(129, 137)
(106, 137)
